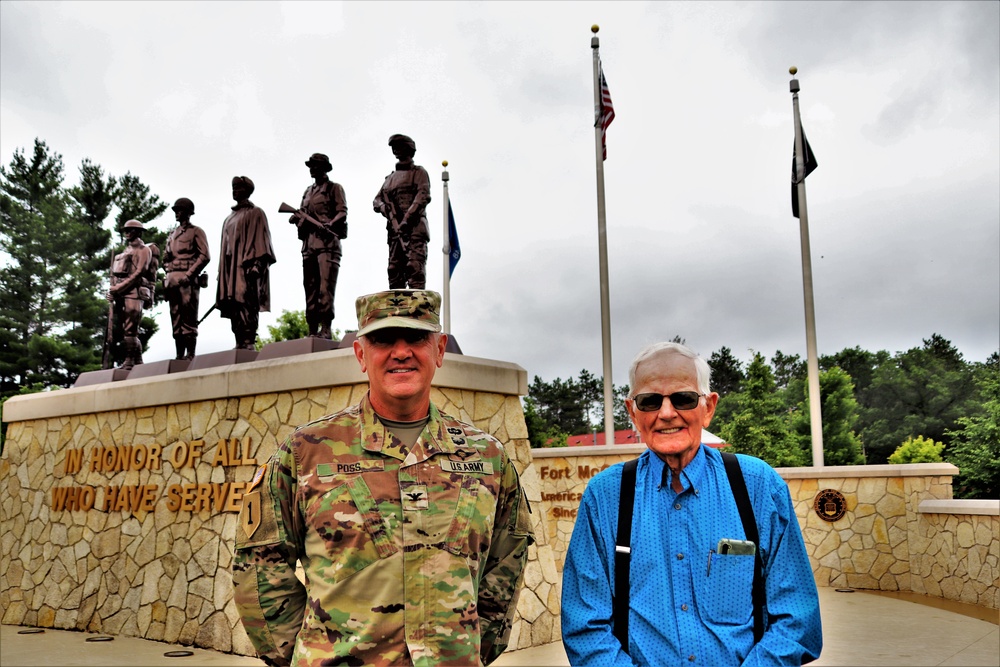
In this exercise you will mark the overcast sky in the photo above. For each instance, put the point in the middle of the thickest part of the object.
(901, 103)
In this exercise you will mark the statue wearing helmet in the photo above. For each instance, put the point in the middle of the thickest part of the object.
(401, 201)
(324, 201)
(185, 256)
(131, 289)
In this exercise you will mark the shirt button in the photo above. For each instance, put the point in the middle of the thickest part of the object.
(684, 607)
(690, 658)
(677, 506)
(680, 556)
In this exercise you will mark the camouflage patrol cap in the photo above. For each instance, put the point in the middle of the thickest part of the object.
(134, 224)
(320, 160)
(405, 308)
(402, 139)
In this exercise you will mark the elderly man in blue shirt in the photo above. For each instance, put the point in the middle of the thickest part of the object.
(691, 570)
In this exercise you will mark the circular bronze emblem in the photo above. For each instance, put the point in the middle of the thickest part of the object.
(830, 505)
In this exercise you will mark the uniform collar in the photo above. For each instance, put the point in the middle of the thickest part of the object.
(376, 438)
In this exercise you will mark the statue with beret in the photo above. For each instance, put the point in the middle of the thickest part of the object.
(245, 257)
(401, 201)
(322, 223)
(185, 256)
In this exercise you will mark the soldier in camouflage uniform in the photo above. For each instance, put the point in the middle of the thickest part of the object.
(410, 525)
(402, 201)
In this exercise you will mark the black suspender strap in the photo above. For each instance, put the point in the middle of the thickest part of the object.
(623, 554)
(739, 486)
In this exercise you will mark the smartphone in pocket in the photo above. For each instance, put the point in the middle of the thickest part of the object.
(731, 547)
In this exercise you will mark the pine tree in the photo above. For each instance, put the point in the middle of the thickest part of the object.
(57, 252)
(759, 427)
(38, 237)
(839, 408)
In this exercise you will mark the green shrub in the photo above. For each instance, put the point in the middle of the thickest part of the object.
(918, 450)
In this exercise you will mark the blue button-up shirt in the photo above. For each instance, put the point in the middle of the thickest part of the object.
(689, 605)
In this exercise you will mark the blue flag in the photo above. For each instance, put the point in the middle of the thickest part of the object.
(456, 249)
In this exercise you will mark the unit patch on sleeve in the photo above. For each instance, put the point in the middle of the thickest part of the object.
(250, 513)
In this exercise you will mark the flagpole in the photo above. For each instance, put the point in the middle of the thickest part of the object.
(446, 249)
(602, 241)
(812, 362)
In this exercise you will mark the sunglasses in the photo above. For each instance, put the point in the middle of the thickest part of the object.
(389, 336)
(681, 400)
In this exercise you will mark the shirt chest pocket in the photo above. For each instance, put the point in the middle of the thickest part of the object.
(725, 594)
(457, 516)
(347, 530)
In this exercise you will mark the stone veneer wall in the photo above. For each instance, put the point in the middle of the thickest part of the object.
(963, 534)
(885, 541)
(164, 574)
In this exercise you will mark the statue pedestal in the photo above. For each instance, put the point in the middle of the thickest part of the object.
(159, 368)
(224, 358)
(291, 348)
(102, 376)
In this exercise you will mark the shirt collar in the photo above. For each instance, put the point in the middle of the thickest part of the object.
(692, 475)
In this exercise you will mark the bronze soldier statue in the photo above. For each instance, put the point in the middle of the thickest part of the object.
(244, 289)
(324, 203)
(132, 275)
(185, 256)
(402, 200)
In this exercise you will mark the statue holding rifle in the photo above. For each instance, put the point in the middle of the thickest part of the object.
(401, 201)
(132, 274)
(322, 223)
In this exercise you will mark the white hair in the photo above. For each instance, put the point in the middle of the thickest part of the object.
(657, 349)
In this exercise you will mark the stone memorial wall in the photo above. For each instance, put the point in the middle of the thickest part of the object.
(899, 530)
(119, 502)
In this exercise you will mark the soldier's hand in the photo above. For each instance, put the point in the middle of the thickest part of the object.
(183, 280)
(293, 219)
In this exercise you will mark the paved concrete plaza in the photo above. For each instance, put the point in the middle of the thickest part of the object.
(859, 629)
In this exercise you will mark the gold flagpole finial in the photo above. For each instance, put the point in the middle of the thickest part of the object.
(594, 28)
(444, 163)
(793, 70)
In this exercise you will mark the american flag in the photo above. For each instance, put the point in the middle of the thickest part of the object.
(605, 114)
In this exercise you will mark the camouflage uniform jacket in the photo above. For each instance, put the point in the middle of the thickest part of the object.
(410, 558)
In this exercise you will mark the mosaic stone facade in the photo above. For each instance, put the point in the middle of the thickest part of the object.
(957, 557)
(148, 569)
(884, 541)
